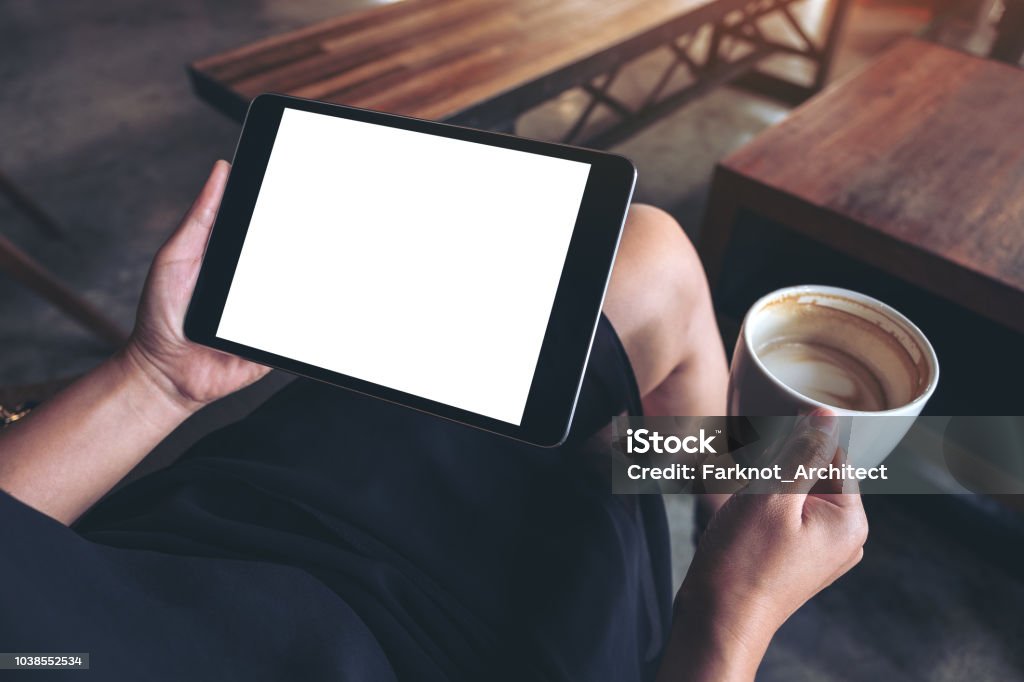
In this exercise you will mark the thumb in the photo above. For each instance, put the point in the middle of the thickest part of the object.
(811, 445)
(826, 486)
(841, 493)
(189, 240)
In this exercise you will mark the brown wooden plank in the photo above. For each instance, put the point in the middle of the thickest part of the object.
(489, 46)
(234, 63)
(380, 43)
(437, 92)
(415, 55)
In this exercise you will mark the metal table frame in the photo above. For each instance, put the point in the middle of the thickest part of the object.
(717, 43)
(736, 45)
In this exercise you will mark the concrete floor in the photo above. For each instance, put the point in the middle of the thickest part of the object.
(99, 125)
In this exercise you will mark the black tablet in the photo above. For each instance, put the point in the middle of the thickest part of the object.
(451, 270)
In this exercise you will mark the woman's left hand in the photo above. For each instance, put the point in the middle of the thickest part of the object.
(763, 556)
(190, 374)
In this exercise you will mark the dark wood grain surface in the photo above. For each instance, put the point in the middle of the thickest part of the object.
(914, 165)
(432, 58)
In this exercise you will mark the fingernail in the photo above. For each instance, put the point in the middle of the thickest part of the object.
(823, 420)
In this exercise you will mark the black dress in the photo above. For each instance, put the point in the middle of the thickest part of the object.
(329, 536)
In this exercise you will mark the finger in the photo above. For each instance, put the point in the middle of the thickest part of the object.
(769, 458)
(812, 445)
(195, 227)
(825, 486)
(847, 500)
(843, 493)
(771, 453)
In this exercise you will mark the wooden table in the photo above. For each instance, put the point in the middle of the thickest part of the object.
(484, 62)
(915, 166)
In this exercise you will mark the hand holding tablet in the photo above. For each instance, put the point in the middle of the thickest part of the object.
(451, 270)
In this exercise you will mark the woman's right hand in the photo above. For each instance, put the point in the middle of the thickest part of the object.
(762, 556)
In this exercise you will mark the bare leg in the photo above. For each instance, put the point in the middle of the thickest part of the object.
(660, 305)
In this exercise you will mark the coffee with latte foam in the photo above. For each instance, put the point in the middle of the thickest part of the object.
(825, 374)
(839, 352)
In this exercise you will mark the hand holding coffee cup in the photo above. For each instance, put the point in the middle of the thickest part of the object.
(807, 347)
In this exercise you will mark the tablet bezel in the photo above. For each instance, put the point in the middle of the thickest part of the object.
(574, 316)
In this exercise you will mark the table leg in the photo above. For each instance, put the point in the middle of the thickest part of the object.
(1009, 44)
(33, 275)
(821, 57)
(29, 207)
(828, 50)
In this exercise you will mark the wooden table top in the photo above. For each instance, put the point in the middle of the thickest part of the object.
(925, 149)
(430, 58)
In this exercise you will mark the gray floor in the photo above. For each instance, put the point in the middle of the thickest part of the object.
(98, 123)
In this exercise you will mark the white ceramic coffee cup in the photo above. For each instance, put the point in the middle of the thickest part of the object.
(872, 435)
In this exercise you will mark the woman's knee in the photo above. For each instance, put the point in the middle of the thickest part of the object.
(658, 292)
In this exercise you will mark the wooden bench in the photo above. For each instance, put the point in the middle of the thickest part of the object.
(484, 62)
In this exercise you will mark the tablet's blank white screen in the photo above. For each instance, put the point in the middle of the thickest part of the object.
(417, 262)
